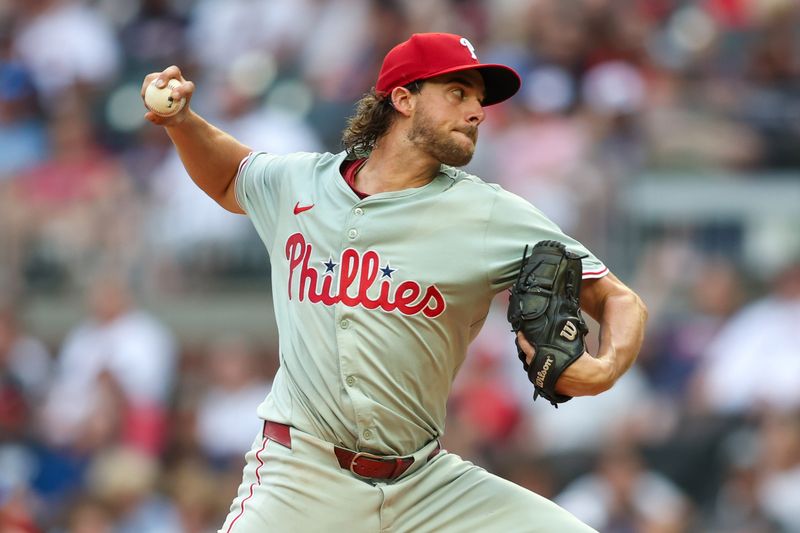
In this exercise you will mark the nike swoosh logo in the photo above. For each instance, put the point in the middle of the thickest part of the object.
(300, 208)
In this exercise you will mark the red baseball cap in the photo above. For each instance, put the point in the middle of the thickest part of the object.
(427, 55)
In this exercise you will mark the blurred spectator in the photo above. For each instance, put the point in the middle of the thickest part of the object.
(89, 515)
(332, 70)
(226, 414)
(125, 481)
(338, 75)
(24, 371)
(614, 97)
(262, 125)
(24, 359)
(16, 513)
(771, 102)
(220, 32)
(543, 158)
(734, 377)
(201, 495)
(683, 133)
(85, 52)
(154, 38)
(676, 344)
(118, 350)
(622, 495)
(22, 132)
(74, 211)
(483, 412)
(17, 462)
(736, 508)
(779, 461)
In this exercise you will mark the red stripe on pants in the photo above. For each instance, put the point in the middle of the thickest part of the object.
(252, 485)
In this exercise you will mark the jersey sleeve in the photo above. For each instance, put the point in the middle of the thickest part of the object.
(258, 188)
(257, 181)
(515, 223)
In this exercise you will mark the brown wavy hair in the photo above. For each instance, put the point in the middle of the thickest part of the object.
(373, 116)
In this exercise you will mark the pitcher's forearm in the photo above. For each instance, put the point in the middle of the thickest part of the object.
(621, 337)
(621, 332)
(210, 156)
(622, 316)
(588, 376)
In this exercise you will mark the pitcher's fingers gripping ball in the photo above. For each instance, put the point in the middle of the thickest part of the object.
(160, 100)
(545, 306)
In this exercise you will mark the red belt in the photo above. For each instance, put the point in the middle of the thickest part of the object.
(362, 464)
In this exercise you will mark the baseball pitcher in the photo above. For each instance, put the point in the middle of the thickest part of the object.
(374, 321)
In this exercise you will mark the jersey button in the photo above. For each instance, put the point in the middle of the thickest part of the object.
(350, 381)
(353, 233)
(358, 211)
(344, 324)
(367, 434)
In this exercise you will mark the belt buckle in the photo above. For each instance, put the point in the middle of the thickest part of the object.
(368, 455)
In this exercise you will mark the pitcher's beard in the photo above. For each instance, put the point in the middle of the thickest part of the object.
(441, 146)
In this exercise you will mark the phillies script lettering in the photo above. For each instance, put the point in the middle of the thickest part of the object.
(358, 273)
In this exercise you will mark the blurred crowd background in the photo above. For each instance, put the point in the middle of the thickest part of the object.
(136, 334)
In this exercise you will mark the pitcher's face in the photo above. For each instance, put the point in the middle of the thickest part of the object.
(446, 117)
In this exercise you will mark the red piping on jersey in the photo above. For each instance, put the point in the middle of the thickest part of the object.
(252, 485)
(595, 273)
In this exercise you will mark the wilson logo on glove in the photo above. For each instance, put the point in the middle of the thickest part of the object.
(540, 375)
(570, 331)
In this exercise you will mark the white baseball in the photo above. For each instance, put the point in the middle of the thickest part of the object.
(159, 100)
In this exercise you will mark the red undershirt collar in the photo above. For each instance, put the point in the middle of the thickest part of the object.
(349, 170)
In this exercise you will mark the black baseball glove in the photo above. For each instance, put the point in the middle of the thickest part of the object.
(545, 306)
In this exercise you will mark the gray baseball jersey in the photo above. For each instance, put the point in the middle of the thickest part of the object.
(376, 299)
